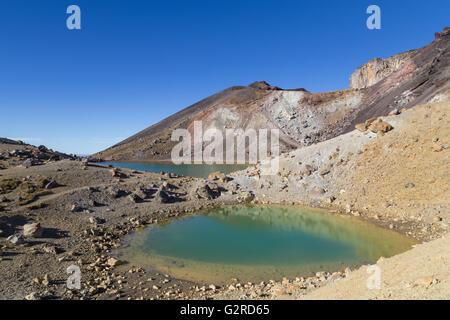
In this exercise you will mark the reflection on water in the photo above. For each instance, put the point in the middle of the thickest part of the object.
(192, 170)
(259, 243)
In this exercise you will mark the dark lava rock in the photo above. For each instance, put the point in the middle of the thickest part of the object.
(29, 163)
(52, 184)
(205, 192)
(114, 191)
(134, 198)
(162, 196)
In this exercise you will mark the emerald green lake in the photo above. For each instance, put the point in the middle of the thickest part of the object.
(193, 170)
(254, 243)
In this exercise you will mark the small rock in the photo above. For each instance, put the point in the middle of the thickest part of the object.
(77, 207)
(218, 176)
(95, 220)
(32, 296)
(361, 127)
(114, 191)
(113, 262)
(28, 163)
(162, 196)
(437, 147)
(33, 230)
(46, 280)
(394, 112)
(317, 191)
(347, 272)
(331, 199)
(134, 198)
(50, 249)
(212, 287)
(205, 192)
(380, 126)
(52, 184)
(424, 282)
(141, 194)
(247, 196)
(16, 239)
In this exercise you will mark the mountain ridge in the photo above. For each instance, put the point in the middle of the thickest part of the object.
(304, 118)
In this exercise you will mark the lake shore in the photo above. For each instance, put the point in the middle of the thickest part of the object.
(92, 207)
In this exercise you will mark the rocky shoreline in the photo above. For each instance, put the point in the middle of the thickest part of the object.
(71, 211)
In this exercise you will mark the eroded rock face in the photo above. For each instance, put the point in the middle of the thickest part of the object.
(377, 69)
(304, 118)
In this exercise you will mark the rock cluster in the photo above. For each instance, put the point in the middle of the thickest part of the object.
(374, 125)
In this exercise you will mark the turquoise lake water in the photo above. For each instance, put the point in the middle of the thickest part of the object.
(255, 243)
(193, 170)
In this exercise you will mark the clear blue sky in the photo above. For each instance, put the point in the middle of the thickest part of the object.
(135, 62)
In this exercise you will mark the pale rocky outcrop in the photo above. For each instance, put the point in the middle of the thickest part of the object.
(377, 69)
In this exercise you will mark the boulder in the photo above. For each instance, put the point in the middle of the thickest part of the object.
(33, 230)
(380, 126)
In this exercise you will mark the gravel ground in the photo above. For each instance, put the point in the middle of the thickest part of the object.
(398, 180)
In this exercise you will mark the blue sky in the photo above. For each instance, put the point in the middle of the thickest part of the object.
(134, 63)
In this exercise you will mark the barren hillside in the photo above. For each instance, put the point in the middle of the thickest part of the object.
(304, 118)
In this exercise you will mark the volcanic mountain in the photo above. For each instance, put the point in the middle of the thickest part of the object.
(303, 118)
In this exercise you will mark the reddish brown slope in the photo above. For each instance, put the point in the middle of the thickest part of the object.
(303, 118)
